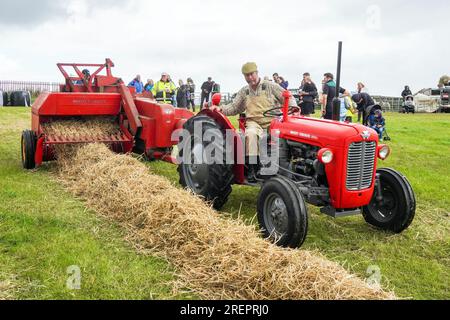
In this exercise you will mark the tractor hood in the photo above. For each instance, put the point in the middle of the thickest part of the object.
(319, 132)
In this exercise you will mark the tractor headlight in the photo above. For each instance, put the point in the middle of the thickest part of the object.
(326, 156)
(383, 151)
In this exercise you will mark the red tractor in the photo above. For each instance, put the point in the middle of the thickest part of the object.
(325, 163)
(332, 165)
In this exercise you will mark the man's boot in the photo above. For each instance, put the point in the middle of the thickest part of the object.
(251, 176)
(252, 169)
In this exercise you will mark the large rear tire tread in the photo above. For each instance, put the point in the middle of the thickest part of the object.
(406, 204)
(220, 176)
(296, 209)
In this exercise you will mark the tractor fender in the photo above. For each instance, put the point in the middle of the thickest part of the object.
(219, 117)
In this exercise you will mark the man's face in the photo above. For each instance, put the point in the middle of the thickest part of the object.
(252, 78)
(306, 78)
(165, 78)
(275, 78)
(326, 79)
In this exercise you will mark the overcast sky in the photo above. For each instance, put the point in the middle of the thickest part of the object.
(387, 44)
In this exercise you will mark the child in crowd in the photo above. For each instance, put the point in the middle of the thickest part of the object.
(377, 122)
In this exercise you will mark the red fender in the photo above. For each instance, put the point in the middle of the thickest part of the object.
(39, 153)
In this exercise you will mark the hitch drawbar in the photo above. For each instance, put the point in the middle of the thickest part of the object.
(332, 212)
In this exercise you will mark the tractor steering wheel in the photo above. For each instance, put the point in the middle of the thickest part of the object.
(278, 112)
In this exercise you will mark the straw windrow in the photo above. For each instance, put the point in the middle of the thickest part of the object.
(216, 257)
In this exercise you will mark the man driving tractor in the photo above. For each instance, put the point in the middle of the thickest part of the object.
(254, 100)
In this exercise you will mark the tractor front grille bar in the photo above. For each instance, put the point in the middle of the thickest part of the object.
(360, 165)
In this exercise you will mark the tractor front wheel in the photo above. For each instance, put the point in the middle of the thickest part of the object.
(395, 209)
(282, 213)
(28, 144)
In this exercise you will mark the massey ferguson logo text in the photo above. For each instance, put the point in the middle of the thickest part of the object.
(365, 135)
(89, 102)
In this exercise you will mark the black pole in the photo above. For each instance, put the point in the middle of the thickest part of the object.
(336, 100)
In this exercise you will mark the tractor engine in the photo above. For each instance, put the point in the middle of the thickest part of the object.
(302, 158)
(299, 162)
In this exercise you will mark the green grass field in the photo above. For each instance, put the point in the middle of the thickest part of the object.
(44, 230)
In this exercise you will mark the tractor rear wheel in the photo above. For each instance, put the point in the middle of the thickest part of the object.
(282, 213)
(28, 144)
(396, 211)
(205, 174)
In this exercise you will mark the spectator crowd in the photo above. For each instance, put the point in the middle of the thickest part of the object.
(356, 102)
(180, 96)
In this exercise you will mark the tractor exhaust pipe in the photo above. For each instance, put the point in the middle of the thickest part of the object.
(336, 100)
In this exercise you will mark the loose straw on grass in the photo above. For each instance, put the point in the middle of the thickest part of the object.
(216, 257)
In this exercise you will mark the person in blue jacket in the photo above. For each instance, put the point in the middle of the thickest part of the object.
(149, 85)
(377, 122)
(137, 84)
(284, 83)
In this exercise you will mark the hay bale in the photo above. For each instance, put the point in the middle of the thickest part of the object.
(20, 99)
(4, 98)
(218, 258)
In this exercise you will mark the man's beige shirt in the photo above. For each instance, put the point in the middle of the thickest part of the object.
(273, 93)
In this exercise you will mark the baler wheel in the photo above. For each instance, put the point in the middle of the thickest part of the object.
(210, 179)
(28, 144)
(282, 213)
(396, 211)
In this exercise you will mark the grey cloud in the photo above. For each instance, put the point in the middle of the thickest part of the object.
(29, 13)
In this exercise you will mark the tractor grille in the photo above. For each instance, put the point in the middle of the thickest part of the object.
(360, 165)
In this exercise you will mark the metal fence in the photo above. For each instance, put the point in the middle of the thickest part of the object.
(36, 87)
(32, 86)
(226, 97)
(390, 104)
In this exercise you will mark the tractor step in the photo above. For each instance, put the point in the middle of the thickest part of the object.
(332, 212)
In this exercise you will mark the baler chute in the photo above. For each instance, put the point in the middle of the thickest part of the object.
(81, 108)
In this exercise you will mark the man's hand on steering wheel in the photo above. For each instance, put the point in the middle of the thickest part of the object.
(278, 111)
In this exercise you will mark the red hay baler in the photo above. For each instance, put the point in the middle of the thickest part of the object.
(145, 126)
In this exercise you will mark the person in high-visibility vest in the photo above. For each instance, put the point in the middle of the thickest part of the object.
(164, 90)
